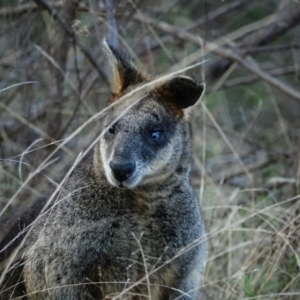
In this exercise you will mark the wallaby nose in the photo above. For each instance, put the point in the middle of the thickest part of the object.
(122, 171)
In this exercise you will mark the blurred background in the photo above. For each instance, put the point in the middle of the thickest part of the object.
(246, 130)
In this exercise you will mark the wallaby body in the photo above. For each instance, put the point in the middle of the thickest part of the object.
(127, 224)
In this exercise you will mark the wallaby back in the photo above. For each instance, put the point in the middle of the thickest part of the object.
(127, 223)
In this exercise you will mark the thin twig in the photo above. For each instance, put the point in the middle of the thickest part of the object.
(252, 78)
(271, 48)
(217, 13)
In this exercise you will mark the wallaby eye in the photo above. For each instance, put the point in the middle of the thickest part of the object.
(112, 129)
(156, 135)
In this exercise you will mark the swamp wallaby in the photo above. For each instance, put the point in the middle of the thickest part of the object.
(127, 223)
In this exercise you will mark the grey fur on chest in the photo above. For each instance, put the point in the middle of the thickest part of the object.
(123, 241)
(171, 219)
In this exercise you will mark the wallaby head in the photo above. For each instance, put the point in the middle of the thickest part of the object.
(149, 141)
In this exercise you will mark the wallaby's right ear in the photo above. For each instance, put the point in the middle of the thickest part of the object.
(120, 70)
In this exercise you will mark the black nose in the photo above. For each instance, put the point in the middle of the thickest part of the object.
(122, 171)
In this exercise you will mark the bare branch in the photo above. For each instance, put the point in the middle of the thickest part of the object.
(227, 55)
(251, 78)
(68, 29)
(18, 10)
(271, 48)
(287, 18)
(219, 12)
(21, 9)
(59, 52)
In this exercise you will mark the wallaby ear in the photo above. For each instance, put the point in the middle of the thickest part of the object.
(182, 91)
(120, 70)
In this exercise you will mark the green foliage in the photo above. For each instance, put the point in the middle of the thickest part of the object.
(248, 287)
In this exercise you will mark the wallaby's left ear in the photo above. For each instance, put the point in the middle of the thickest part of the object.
(120, 69)
(182, 91)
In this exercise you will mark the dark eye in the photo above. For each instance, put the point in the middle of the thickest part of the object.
(112, 129)
(156, 135)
